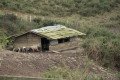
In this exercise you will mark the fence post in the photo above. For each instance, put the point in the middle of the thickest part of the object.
(26, 17)
(0, 62)
(21, 17)
(34, 16)
(16, 14)
(30, 18)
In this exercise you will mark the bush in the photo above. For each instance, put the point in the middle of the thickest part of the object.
(47, 22)
(12, 25)
(28, 9)
(62, 7)
(103, 46)
(10, 17)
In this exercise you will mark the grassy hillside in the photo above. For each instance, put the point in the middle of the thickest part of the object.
(99, 19)
(60, 7)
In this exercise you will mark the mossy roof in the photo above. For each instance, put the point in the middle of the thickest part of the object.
(53, 32)
(58, 33)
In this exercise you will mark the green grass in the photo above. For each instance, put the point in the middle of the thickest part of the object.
(118, 75)
(77, 74)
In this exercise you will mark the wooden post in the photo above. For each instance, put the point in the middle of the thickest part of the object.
(0, 62)
(30, 18)
(34, 16)
(21, 17)
(16, 14)
(26, 17)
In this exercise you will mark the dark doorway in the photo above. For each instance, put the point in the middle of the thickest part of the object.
(45, 44)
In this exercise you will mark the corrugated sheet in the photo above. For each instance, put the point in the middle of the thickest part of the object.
(48, 28)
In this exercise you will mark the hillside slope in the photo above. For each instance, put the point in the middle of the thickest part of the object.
(99, 19)
(60, 7)
(36, 64)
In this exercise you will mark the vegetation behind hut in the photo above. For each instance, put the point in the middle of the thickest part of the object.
(60, 7)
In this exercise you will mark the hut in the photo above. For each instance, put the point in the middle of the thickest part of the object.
(48, 38)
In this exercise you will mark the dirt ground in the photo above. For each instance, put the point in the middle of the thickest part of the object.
(35, 64)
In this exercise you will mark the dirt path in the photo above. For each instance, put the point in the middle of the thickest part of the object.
(35, 64)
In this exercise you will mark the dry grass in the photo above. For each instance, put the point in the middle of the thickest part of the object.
(97, 20)
(86, 70)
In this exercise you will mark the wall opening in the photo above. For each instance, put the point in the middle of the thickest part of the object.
(66, 39)
(45, 44)
(60, 40)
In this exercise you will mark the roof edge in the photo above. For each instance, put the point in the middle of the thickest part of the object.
(15, 36)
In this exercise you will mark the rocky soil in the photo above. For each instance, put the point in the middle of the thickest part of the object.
(35, 64)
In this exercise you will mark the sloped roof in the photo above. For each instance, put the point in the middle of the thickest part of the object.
(53, 32)
(57, 32)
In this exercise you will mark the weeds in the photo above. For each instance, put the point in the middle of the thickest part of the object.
(77, 74)
(118, 75)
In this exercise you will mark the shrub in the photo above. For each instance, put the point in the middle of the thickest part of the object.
(28, 9)
(48, 22)
(62, 7)
(1, 5)
(44, 13)
(10, 17)
(103, 46)
(118, 75)
(13, 6)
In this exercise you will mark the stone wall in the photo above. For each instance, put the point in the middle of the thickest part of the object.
(65, 45)
(27, 40)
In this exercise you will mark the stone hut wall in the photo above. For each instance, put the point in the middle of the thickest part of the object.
(27, 40)
(65, 45)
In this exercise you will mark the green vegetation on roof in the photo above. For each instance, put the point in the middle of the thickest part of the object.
(60, 33)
